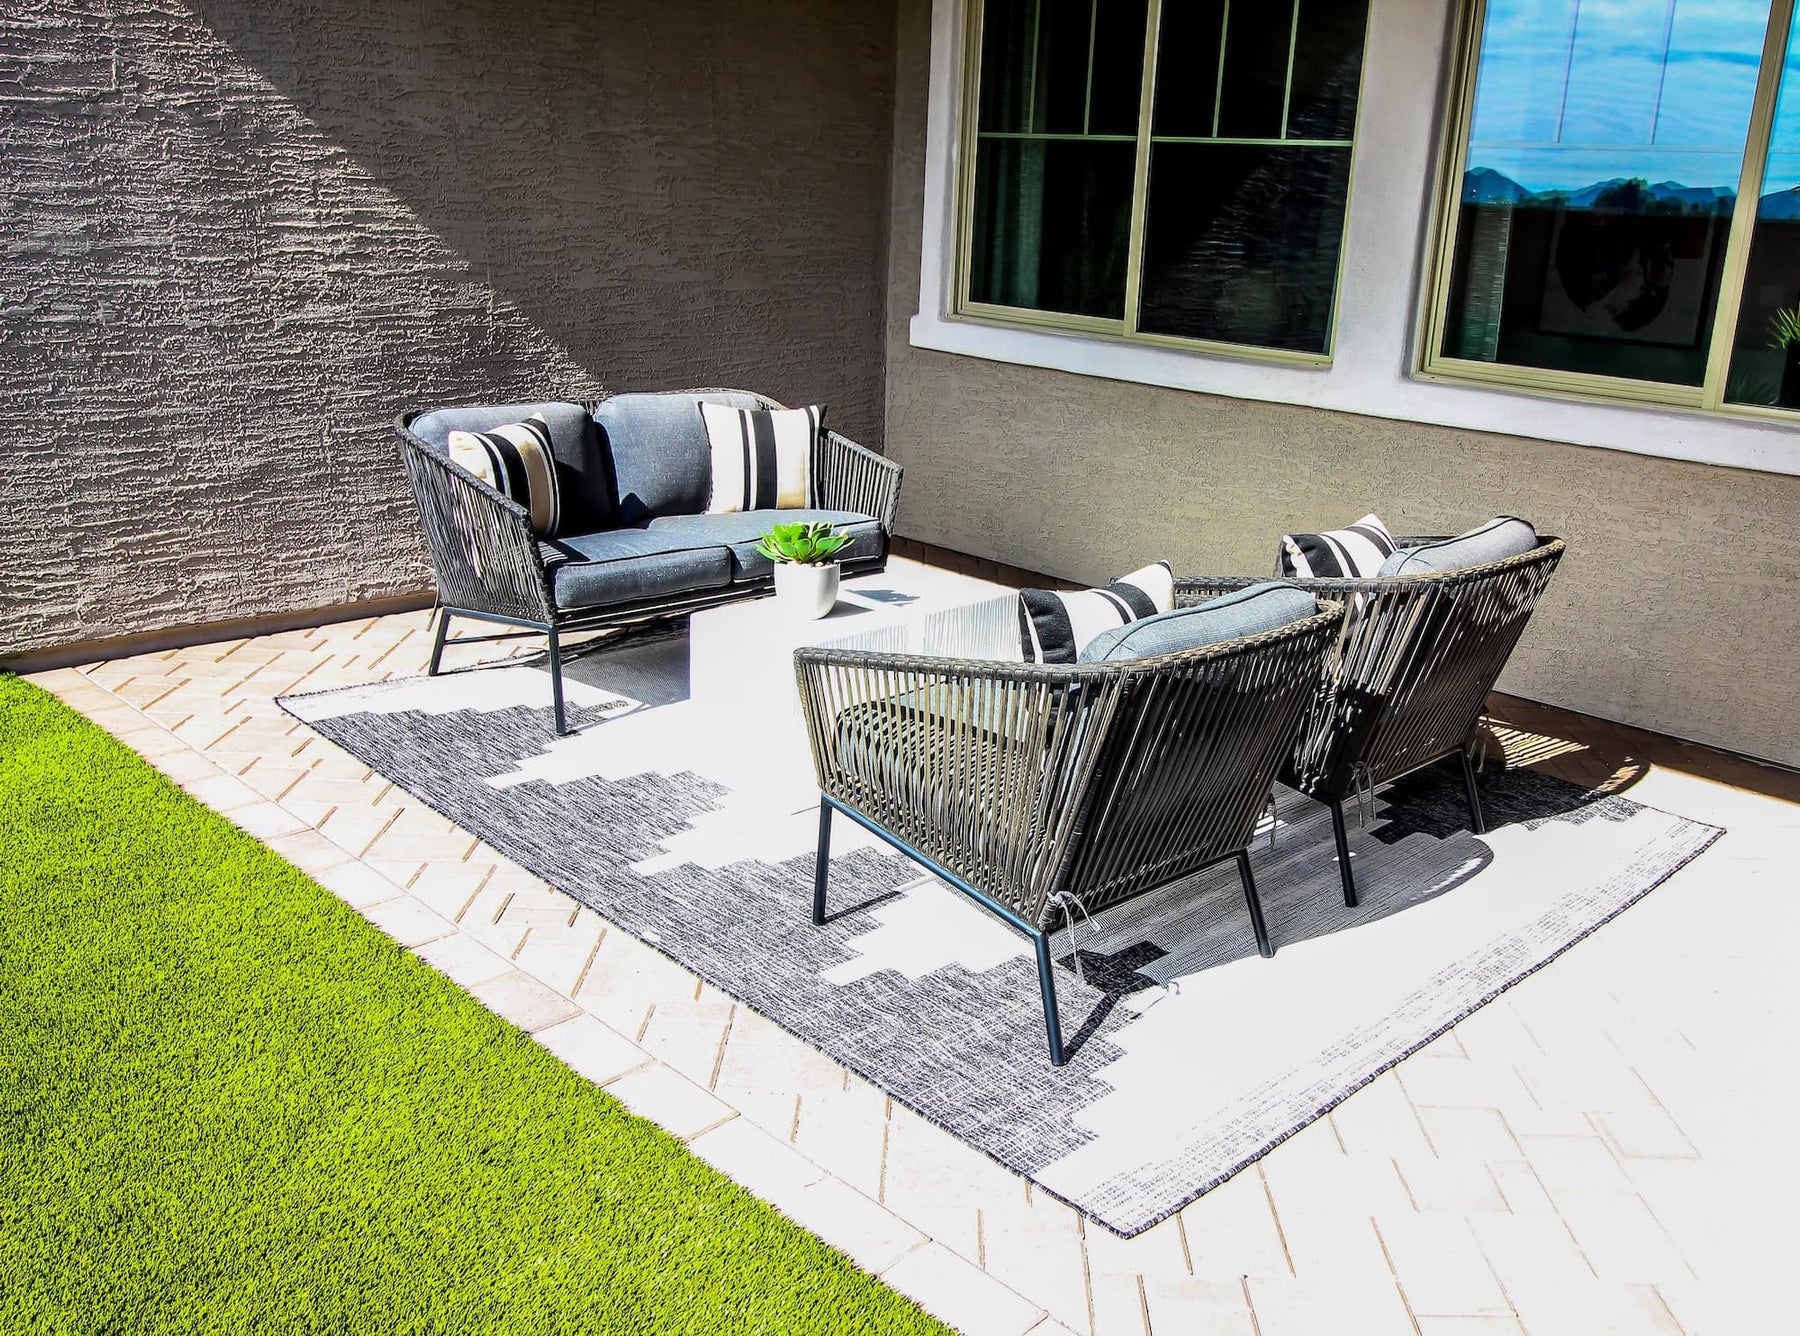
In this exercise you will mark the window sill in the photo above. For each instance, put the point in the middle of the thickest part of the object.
(1734, 438)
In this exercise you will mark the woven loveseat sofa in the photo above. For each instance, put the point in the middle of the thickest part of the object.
(633, 542)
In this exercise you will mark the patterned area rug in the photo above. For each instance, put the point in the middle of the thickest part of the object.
(1192, 1055)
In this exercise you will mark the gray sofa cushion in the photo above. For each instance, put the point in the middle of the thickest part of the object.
(582, 476)
(657, 448)
(601, 570)
(739, 533)
(1501, 537)
(1243, 612)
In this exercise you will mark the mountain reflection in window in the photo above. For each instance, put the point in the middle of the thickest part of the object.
(1603, 162)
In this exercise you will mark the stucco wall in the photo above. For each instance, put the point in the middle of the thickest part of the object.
(1674, 609)
(236, 236)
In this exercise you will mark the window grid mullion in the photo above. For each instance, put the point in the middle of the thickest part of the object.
(1140, 177)
(1735, 269)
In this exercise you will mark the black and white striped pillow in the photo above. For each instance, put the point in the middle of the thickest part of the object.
(761, 457)
(1054, 627)
(515, 460)
(1355, 553)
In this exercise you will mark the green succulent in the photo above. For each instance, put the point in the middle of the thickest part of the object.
(814, 544)
(1784, 328)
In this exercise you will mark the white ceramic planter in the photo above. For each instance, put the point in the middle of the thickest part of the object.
(806, 591)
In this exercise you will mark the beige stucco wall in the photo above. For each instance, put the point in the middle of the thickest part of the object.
(1674, 609)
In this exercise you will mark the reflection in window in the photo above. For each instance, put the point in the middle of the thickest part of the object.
(1601, 174)
(1249, 138)
(1765, 355)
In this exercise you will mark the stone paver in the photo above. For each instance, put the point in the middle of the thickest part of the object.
(1595, 1151)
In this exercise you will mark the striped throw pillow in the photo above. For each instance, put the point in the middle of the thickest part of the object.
(761, 457)
(1054, 627)
(1355, 553)
(515, 460)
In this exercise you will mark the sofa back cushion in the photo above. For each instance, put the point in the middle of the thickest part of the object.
(658, 451)
(583, 480)
(1500, 538)
(1243, 612)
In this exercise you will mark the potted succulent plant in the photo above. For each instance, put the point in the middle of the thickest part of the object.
(806, 565)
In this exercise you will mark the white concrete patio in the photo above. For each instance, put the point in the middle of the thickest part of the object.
(1608, 1147)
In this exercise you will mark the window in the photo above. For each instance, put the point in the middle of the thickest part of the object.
(1203, 206)
(1622, 216)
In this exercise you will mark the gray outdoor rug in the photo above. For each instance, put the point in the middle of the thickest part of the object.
(1193, 1056)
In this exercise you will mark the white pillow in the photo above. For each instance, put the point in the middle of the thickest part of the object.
(761, 457)
(515, 460)
(1055, 626)
(1355, 553)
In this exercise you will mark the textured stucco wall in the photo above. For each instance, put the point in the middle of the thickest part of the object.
(236, 236)
(1674, 609)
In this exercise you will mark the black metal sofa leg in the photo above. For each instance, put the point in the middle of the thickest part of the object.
(822, 869)
(1345, 875)
(1263, 946)
(1047, 986)
(556, 685)
(437, 644)
(1476, 823)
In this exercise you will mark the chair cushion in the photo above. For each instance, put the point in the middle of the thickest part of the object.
(761, 457)
(1355, 553)
(658, 453)
(517, 462)
(1501, 537)
(739, 533)
(1243, 612)
(1055, 626)
(599, 570)
(583, 480)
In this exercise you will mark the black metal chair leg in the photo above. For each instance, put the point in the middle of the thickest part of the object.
(556, 684)
(1263, 947)
(1476, 823)
(1345, 875)
(1047, 985)
(822, 869)
(437, 644)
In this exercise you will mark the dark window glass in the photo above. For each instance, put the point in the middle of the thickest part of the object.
(1052, 225)
(1241, 240)
(1254, 87)
(1186, 101)
(1602, 170)
(1328, 52)
(1242, 243)
(1765, 354)
(1118, 82)
(1056, 154)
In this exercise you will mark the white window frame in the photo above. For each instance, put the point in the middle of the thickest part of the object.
(1388, 240)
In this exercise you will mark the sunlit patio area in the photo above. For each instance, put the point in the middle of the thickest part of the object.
(1024, 667)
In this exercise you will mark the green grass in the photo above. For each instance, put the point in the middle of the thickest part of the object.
(227, 1104)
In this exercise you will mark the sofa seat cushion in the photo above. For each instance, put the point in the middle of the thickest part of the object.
(584, 483)
(619, 566)
(1501, 537)
(739, 532)
(1243, 612)
(658, 452)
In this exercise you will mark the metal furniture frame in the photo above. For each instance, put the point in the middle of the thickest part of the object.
(490, 567)
(1405, 686)
(1045, 790)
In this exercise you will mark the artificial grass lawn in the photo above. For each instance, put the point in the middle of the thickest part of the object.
(227, 1103)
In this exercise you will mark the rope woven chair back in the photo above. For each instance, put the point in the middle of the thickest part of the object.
(1413, 668)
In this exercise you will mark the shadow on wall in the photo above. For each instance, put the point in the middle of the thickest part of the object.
(241, 234)
(674, 194)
